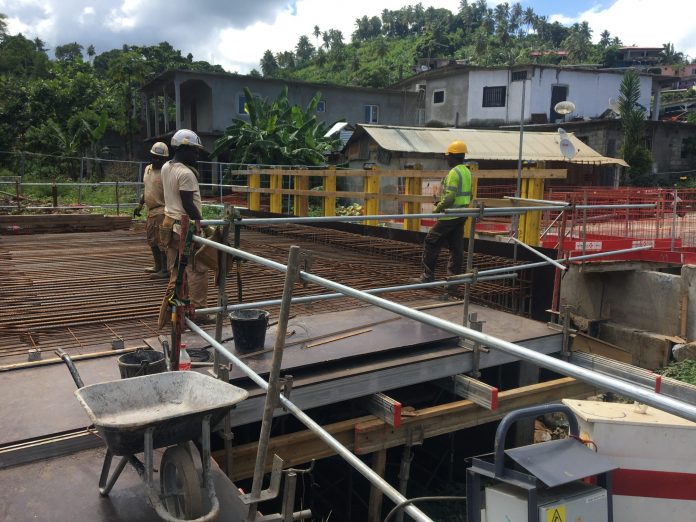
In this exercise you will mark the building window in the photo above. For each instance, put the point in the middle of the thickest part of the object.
(584, 139)
(494, 96)
(684, 148)
(439, 97)
(518, 76)
(611, 147)
(241, 101)
(371, 113)
(321, 106)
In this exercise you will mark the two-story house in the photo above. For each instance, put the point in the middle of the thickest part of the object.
(208, 102)
(471, 96)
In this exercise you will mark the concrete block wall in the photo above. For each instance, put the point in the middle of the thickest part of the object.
(641, 311)
(643, 300)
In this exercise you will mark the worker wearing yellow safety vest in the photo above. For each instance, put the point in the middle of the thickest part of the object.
(455, 193)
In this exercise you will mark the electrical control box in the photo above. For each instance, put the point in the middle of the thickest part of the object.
(574, 502)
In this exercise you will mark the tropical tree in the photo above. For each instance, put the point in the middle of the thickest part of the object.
(304, 50)
(269, 65)
(276, 133)
(69, 52)
(633, 124)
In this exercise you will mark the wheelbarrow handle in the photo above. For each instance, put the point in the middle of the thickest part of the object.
(71, 366)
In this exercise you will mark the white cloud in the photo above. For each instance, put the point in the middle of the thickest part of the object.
(646, 23)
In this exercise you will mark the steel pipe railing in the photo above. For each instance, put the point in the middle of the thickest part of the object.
(630, 390)
(539, 254)
(469, 212)
(484, 275)
(339, 448)
(374, 291)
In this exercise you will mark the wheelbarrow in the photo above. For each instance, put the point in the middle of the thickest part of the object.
(141, 414)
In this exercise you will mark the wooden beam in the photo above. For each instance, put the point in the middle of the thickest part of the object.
(379, 464)
(368, 434)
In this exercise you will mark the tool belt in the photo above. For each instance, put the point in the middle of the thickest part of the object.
(165, 230)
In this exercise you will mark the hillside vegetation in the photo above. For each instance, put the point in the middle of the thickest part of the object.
(384, 49)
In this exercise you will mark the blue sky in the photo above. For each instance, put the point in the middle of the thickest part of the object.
(235, 33)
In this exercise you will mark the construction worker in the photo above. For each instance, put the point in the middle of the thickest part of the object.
(182, 196)
(455, 193)
(153, 198)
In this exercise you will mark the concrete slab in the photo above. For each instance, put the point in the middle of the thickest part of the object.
(40, 401)
(66, 489)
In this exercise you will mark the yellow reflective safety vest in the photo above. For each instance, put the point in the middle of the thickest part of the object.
(458, 183)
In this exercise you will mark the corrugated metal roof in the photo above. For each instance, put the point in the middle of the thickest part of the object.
(482, 144)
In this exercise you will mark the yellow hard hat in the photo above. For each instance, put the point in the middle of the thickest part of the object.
(457, 147)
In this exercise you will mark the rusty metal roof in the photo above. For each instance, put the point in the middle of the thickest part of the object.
(482, 144)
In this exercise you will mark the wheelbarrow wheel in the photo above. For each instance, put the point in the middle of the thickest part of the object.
(180, 484)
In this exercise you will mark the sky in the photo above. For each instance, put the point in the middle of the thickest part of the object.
(235, 33)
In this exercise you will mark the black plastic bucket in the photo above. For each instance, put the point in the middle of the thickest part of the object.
(249, 329)
(141, 362)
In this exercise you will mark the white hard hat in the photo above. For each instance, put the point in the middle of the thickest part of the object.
(186, 137)
(160, 149)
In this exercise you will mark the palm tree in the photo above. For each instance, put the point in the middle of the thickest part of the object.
(528, 18)
(3, 25)
(317, 34)
(669, 56)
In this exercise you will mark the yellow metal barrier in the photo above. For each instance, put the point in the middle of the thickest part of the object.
(276, 184)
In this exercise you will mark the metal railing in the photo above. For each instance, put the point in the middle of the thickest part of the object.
(630, 390)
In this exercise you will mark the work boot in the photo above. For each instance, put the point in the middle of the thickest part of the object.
(205, 319)
(158, 261)
(162, 273)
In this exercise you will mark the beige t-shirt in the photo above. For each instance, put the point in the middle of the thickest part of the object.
(154, 191)
(175, 177)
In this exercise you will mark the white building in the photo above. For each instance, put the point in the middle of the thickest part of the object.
(465, 96)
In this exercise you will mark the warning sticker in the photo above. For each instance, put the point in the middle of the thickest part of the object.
(556, 514)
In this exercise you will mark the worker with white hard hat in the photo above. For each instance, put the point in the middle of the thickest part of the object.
(455, 193)
(153, 199)
(182, 196)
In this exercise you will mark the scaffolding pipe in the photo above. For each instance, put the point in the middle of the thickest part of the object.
(539, 201)
(383, 290)
(485, 275)
(536, 252)
(305, 419)
(633, 391)
(487, 211)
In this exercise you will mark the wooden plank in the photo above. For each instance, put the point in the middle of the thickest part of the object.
(585, 343)
(374, 435)
(368, 434)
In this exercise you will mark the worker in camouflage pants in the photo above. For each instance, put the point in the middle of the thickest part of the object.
(153, 199)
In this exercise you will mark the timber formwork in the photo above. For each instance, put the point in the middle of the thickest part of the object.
(87, 292)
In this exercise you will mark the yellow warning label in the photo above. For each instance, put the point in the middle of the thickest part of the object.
(556, 514)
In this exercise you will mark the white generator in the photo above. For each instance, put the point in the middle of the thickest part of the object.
(551, 486)
(572, 502)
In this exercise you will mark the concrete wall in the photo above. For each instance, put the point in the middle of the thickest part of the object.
(638, 299)
(456, 90)
(217, 99)
(589, 91)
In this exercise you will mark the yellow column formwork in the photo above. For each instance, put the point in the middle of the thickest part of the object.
(371, 186)
(254, 182)
(522, 221)
(413, 188)
(330, 201)
(276, 183)
(473, 168)
(535, 191)
(301, 206)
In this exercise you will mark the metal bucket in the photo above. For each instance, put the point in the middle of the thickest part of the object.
(141, 362)
(249, 329)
